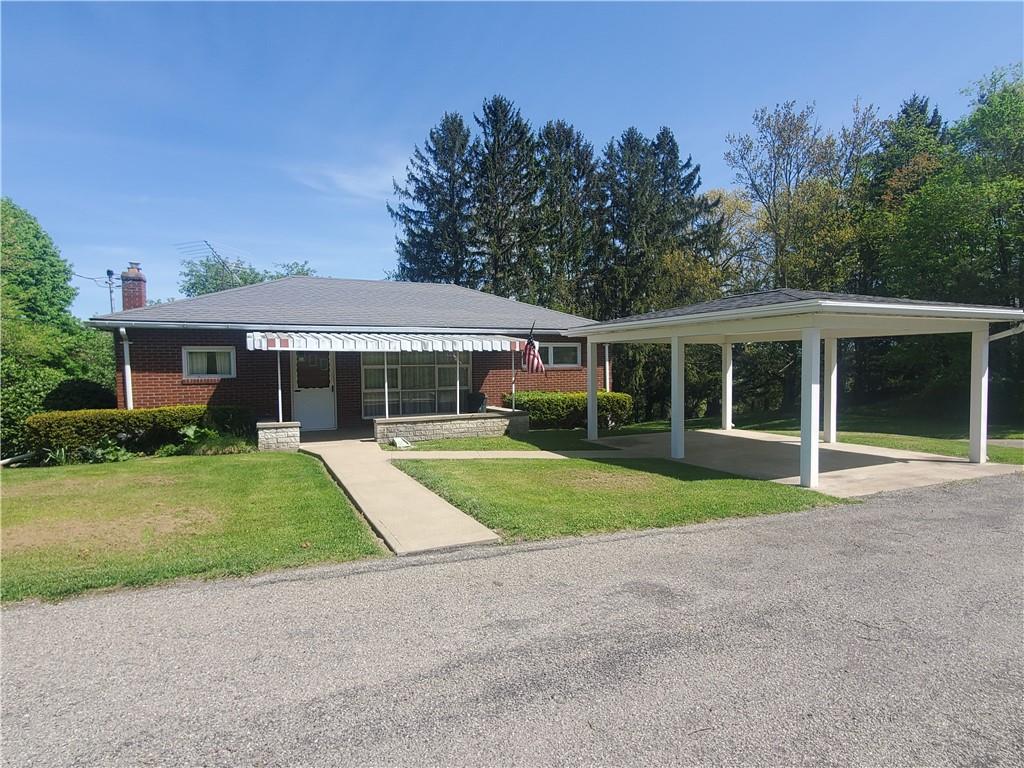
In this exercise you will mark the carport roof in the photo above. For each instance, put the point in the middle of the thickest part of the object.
(790, 301)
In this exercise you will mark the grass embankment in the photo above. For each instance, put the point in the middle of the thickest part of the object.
(536, 498)
(69, 529)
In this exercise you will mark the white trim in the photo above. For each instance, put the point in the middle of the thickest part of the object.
(185, 375)
(551, 355)
(803, 307)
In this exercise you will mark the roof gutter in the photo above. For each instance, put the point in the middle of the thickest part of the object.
(115, 325)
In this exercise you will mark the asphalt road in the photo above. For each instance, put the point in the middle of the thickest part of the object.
(888, 632)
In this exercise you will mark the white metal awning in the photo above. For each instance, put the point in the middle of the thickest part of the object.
(380, 342)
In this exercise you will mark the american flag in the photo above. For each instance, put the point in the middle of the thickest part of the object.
(531, 357)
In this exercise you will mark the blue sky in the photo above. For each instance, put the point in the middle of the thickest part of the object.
(275, 129)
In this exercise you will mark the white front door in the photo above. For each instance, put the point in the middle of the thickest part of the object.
(313, 402)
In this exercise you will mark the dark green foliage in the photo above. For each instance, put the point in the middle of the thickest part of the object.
(504, 215)
(79, 394)
(568, 220)
(142, 429)
(434, 214)
(43, 345)
(569, 409)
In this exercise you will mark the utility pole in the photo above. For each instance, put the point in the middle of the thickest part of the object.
(110, 288)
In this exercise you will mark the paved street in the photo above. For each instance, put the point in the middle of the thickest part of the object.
(887, 632)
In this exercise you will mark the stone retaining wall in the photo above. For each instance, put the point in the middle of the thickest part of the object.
(277, 435)
(493, 423)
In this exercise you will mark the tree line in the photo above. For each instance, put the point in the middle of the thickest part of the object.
(910, 205)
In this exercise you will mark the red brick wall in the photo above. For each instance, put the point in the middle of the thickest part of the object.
(157, 377)
(492, 373)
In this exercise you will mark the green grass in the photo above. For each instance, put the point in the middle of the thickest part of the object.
(528, 499)
(66, 530)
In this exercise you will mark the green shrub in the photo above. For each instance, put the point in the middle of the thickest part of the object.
(22, 396)
(569, 409)
(142, 429)
(78, 394)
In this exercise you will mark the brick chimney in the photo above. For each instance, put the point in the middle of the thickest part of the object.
(133, 287)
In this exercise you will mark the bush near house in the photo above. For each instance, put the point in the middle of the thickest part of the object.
(141, 429)
(569, 409)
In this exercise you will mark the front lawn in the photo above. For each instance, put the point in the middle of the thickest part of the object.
(537, 499)
(69, 529)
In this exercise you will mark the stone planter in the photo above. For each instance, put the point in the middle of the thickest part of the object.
(492, 423)
(277, 436)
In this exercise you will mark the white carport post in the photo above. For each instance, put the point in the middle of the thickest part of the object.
(591, 390)
(810, 386)
(678, 397)
(978, 453)
(727, 385)
(831, 388)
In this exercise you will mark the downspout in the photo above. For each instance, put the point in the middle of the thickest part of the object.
(129, 404)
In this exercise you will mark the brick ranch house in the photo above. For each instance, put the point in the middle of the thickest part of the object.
(313, 349)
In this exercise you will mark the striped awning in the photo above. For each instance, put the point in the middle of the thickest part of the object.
(380, 342)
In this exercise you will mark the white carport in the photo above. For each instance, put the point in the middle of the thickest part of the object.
(813, 318)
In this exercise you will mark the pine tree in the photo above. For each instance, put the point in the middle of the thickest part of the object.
(505, 195)
(629, 190)
(435, 209)
(566, 216)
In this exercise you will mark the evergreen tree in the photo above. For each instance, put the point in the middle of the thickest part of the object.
(566, 218)
(435, 209)
(506, 187)
(628, 180)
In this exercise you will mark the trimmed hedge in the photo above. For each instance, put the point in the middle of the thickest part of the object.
(142, 429)
(569, 409)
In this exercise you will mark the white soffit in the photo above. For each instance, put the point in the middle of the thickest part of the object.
(379, 342)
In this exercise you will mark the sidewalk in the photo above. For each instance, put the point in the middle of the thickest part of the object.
(405, 514)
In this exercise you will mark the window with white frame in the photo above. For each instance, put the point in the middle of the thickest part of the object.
(208, 362)
(559, 355)
(418, 382)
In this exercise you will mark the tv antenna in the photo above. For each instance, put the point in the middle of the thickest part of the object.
(204, 248)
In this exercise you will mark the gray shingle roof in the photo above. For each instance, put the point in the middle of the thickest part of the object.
(779, 296)
(332, 303)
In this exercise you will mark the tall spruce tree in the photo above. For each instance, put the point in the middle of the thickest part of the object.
(506, 185)
(435, 209)
(628, 180)
(566, 217)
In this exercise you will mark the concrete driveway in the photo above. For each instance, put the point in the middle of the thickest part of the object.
(846, 469)
(884, 633)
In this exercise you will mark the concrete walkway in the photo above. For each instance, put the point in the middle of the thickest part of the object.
(405, 514)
